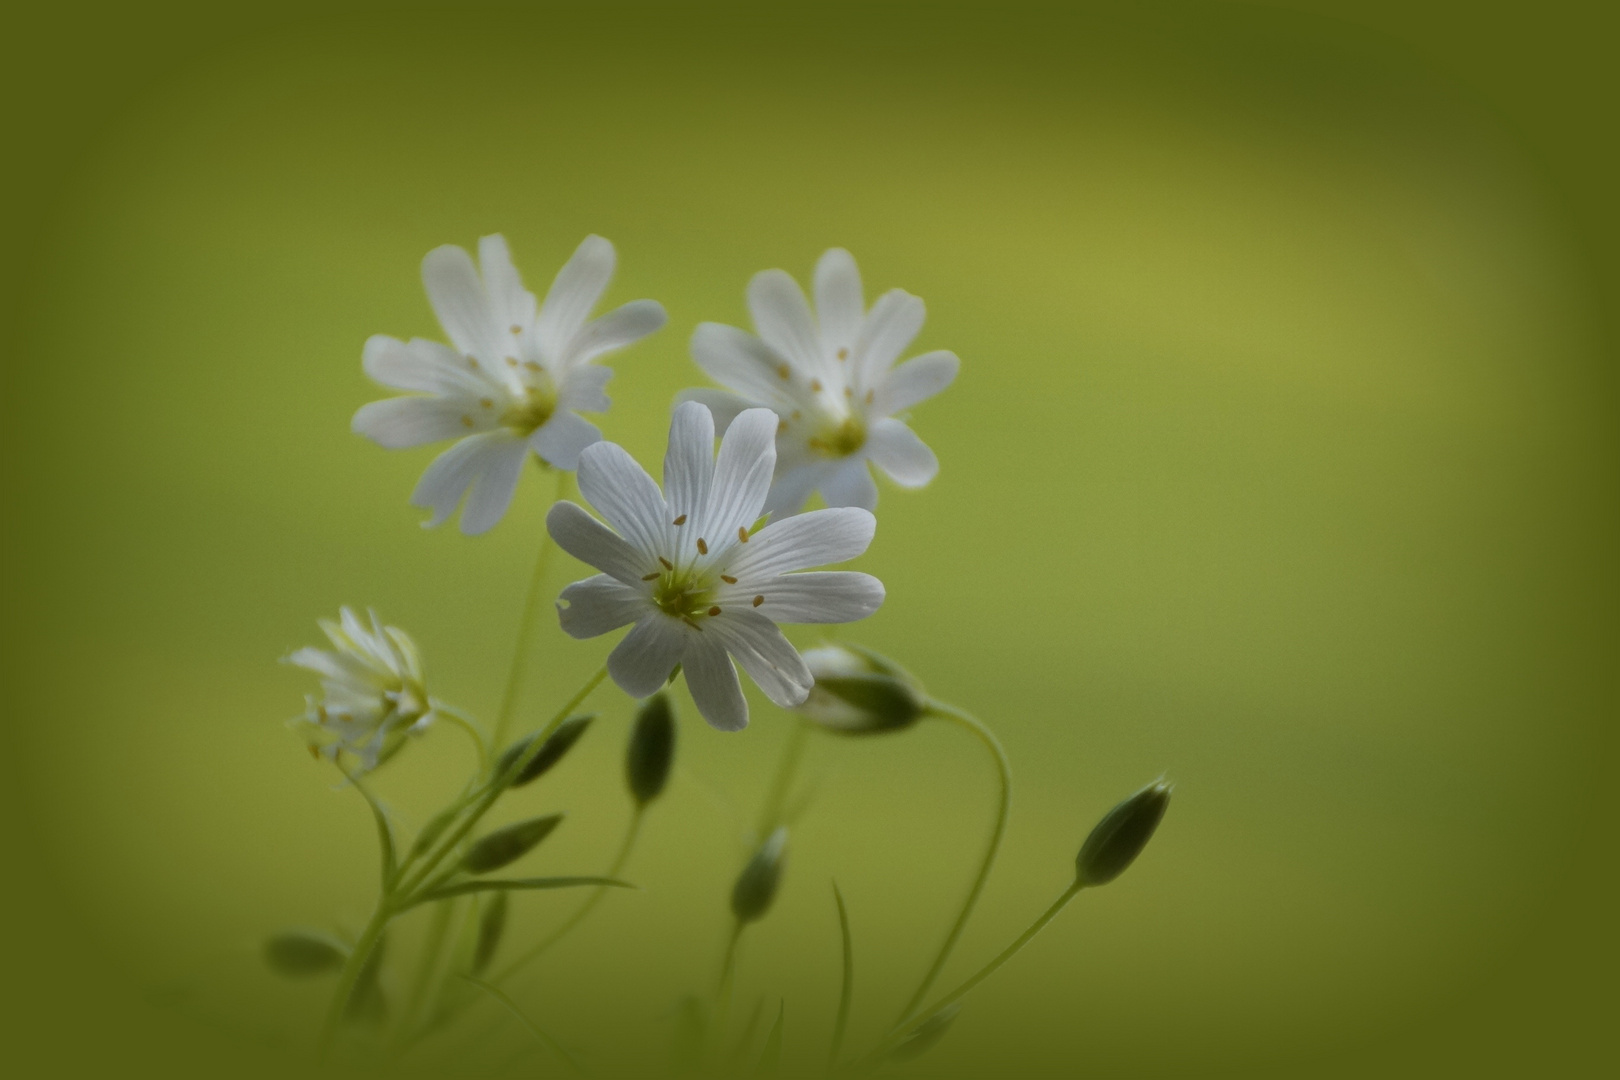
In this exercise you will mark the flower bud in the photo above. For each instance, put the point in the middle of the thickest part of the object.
(1121, 835)
(491, 926)
(651, 752)
(558, 743)
(756, 886)
(300, 954)
(507, 845)
(859, 692)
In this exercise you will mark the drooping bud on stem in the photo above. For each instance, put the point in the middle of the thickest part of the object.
(860, 692)
(651, 752)
(491, 927)
(557, 744)
(756, 886)
(508, 844)
(1121, 835)
(301, 954)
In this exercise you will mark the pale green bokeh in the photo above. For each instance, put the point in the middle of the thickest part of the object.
(1265, 468)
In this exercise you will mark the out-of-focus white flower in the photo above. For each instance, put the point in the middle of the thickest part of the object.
(701, 589)
(511, 384)
(372, 691)
(830, 378)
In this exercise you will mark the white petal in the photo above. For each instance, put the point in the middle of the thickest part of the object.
(689, 461)
(742, 476)
(562, 438)
(327, 665)
(597, 605)
(723, 405)
(419, 365)
(783, 320)
(801, 542)
(828, 596)
(713, 683)
(459, 300)
(448, 477)
(397, 423)
(791, 489)
(623, 493)
(895, 320)
(741, 362)
(764, 653)
(582, 388)
(620, 327)
(641, 663)
(492, 491)
(918, 379)
(851, 484)
(577, 288)
(510, 303)
(840, 304)
(594, 544)
(896, 450)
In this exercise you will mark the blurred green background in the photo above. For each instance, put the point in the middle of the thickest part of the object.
(1280, 461)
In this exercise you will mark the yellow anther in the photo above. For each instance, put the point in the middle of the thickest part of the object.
(728, 579)
(487, 403)
(467, 420)
(815, 386)
(703, 548)
(714, 610)
(870, 394)
(531, 365)
(742, 534)
(472, 362)
(758, 600)
(681, 520)
(516, 329)
(649, 577)
(511, 361)
(843, 354)
(667, 564)
(783, 371)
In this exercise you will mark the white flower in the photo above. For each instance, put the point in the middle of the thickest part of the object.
(512, 381)
(682, 566)
(831, 379)
(372, 690)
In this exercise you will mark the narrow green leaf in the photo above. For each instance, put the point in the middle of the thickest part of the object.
(926, 1035)
(302, 954)
(466, 887)
(770, 1059)
(540, 1036)
(846, 989)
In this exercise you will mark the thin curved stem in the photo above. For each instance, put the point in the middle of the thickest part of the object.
(899, 1031)
(465, 723)
(583, 910)
(350, 975)
(770, 813)
(540, 1036)
(1004, 774)
(493, 790)
(438, 930)
(531, 605)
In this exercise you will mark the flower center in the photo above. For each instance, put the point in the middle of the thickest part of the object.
(532, 408)
(841, 441)
(682, 594)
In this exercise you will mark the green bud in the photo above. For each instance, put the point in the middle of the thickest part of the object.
(559, 743)
(756, 886)
(1121, 835)
(301, 954)
(491, 925)
(507, 845)
(860, 692)
(928, 1033)
(651, 753)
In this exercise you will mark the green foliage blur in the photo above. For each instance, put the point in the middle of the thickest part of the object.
(1281, 461)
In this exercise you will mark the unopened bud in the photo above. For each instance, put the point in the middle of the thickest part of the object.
(1121, 835)
(491, 926)
(507, 845)
(756, 886)
(300, 954)
(860, 692)
(557, 744)
(651, 752)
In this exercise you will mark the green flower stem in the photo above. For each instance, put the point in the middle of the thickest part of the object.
(531, 606)
(584, 909)
(722, 992)
(438, 931)
(770, 814)
(902, 1029)
(486, 796)
(466, 724)
(1004, 773)
(352, 968)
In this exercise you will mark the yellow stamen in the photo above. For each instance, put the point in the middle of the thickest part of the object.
(667, 564)
(815, 386)
(486, 403)
(843, 354)
(467, 421)
(703, 549)
(728, 579)
(681, 520)
(783, 371)
(714, 611)
(649, 577)
(758, 600)
(742, 534)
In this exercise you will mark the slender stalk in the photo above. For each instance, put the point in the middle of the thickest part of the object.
(540, 1036)
(722, 992)
(350, 974)
(438, 930)
(583, 910)
(770, 814)
(900, 1030)
(531, 605)
(1004, 774)
(846, 988)
(492, 791)
(464, 722)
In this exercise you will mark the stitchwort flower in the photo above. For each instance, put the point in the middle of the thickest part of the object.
(372, 691)
(830, 378)
(700, 588)
(513, 380)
